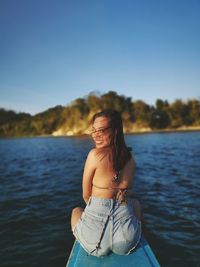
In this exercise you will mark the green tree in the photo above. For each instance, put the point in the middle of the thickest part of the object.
(159, 115)
(194, 112)
(179, 114)
(141, 112)
(81, 105)
(93, 102)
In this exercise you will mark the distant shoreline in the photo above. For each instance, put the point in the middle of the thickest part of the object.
(168, 130)
(141, 131)
(138, 131)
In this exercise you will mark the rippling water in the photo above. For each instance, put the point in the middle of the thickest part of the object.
(40, 182)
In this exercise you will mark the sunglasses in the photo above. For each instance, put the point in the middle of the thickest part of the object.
(100, 131)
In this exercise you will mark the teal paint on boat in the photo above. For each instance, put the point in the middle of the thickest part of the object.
(143, 256)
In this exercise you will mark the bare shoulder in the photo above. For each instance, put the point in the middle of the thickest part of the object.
(92, 153)
(92, 156)
(98, 154)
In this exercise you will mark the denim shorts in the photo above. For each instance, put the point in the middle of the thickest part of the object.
(106, 225)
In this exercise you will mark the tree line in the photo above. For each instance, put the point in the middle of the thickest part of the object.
(76, 117)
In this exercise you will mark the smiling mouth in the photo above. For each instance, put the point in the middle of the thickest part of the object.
(98, 141)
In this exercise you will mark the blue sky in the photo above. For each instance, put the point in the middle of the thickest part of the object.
(52, 52)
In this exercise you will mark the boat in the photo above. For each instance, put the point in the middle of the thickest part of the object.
(142, 256)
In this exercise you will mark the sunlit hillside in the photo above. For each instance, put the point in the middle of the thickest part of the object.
(75, 118)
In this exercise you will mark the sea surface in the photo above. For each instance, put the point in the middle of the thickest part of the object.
(40, 183)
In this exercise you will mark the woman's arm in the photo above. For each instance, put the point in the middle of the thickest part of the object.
(88, 174)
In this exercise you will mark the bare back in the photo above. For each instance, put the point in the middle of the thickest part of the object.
(102, 182)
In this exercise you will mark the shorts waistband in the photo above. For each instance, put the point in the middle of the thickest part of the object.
(106, 202)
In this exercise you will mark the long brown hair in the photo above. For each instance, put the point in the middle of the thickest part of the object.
(120, 152)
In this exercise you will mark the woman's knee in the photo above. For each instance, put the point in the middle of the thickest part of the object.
(76, 210)
(76, 214)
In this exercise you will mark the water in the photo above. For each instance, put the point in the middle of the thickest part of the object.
(40, 182)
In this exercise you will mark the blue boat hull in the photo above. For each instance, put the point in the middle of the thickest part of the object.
(143, 256)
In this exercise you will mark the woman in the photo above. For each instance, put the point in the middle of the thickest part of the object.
(111, 220)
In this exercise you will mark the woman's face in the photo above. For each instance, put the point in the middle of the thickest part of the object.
(101, 132)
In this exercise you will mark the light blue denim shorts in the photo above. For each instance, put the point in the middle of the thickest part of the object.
(107, 225)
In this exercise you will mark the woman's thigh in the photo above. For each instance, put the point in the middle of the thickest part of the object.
(76, 215)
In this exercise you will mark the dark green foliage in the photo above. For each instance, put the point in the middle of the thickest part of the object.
(160, 118)
(47, 121)
(81, 105)
(141, 112)
(9, 116)
(76, 117)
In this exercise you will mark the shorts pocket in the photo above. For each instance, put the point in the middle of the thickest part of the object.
(92, 229)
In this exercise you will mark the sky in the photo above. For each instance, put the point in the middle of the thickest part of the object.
(54, 51)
